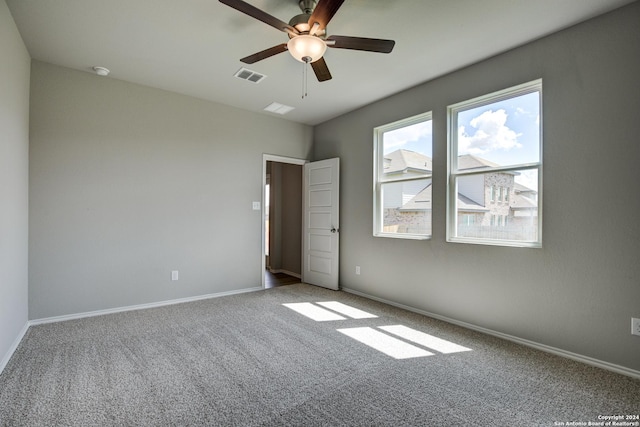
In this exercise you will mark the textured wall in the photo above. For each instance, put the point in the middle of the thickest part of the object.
(14, 181)
(579, 291)
(129, 183)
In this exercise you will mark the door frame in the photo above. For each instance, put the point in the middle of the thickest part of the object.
(279, 159)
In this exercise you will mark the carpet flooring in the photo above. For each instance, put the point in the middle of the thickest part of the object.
(257, 359)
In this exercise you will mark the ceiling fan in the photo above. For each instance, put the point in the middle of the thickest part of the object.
(307, 32)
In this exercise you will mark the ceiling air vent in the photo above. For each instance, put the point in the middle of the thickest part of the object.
(278, 108)
(249, 75)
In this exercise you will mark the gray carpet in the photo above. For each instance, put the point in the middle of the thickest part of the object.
(247, 360)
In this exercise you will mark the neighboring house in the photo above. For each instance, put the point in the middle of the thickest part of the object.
(396, 196)
(488, 205)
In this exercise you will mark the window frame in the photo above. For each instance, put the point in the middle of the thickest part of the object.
(379, 180)
(452, 164)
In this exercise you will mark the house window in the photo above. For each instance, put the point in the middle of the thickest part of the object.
(402, 171)
(495, 153)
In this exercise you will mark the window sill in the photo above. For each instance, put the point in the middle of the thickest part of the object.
(489, 242)
(403, 236)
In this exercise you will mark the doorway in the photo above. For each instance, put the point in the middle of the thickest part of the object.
(282, 220)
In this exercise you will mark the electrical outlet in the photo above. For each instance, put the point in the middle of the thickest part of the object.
(357, 269)
(174, 275)
(635, 326)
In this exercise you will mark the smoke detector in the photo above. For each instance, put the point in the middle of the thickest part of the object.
(101, 71)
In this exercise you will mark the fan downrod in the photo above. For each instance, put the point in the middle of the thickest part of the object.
(307, 6)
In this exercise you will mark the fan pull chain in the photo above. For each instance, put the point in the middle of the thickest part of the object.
(304, 75)
(305, 78)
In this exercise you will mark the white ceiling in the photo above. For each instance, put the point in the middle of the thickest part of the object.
(193, 46)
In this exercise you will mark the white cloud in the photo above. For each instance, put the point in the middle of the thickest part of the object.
(399, 137)
(489, 133)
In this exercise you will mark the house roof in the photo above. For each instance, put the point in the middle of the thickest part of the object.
(519, 189)
(521, 202)
(404, 160)
(465, 204)
(419, 202)
(523, 199)
(422, 202)
(469, 161)
(401, 161)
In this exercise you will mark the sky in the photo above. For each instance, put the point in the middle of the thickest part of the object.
(415, 137)
(505, 132)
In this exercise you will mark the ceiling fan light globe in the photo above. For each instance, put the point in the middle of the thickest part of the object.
(306, 48)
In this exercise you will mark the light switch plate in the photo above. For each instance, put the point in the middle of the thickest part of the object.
(635, 326)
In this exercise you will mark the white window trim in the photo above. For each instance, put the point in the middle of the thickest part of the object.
(452, 164)
(378, 170)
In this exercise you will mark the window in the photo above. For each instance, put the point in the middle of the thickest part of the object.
(467, 219)
(495, 154)
(402, 178)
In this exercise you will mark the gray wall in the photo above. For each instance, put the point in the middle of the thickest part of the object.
(129, 183)
(14, 181)
(580, 290)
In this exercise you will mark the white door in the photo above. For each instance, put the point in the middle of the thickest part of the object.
(321, 223)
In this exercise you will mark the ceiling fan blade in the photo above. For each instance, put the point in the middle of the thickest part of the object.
(323, 12)
(321, 70)
(258, 14)
(361, 43)
(264, 54)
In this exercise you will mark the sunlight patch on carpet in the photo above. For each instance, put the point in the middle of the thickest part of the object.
(425, 340)
(347, 310)
(394, 341)
(314, 312)
(385, 343)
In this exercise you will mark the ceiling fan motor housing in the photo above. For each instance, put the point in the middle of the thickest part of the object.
(301, 23)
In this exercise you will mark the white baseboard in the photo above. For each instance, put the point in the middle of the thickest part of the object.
(548, 349)
(14, 346)
(63, 318)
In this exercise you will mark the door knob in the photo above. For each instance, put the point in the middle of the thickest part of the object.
(334, 230)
